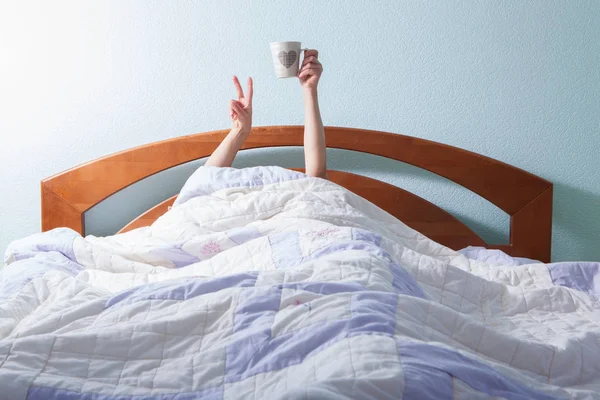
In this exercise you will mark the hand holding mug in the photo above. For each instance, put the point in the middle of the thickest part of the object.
(310, 71)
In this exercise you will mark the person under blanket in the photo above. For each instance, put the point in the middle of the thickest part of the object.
(240, 111)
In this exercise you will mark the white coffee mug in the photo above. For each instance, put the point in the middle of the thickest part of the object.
(286, 58)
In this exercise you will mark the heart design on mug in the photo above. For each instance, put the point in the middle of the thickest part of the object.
(287, 59)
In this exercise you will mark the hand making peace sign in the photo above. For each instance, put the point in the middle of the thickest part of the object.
(240, 110)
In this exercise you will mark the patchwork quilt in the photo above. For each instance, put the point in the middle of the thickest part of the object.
(263, 283)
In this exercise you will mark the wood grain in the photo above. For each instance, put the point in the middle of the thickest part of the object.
(511, 189)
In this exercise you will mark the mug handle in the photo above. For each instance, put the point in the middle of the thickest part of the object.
(299, 62)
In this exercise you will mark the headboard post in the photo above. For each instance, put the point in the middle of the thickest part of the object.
(531, 228)
(58, 212)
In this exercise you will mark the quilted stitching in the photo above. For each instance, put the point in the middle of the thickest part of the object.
(60, 339)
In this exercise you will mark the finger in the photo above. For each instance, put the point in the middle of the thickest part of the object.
(306, 73)
(313, 69)
(312, 65)
(235, 103)
(238, 87)
(311, 52)
(238, 108)
(309, 59)
(250, 90)
(316, 70)
(231, 112)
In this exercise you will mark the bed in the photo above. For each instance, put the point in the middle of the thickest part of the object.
(265, 283)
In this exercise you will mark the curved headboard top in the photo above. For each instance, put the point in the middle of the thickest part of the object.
(527, 198)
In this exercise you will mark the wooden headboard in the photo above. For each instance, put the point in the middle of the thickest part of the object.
(525, 197)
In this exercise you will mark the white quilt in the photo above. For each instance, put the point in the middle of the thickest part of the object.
(263, 283)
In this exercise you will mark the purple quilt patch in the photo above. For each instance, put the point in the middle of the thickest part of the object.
(428, 372)
(285, 248)
(403, 282)
(286, 251)
(324, 288)
(253, 350)
(583, 276)
(366, 236)
(180, 290)
(175, 254)
(243, 235)
(47, 393)
(256, 308)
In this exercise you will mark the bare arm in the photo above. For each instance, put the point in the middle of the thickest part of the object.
(240, 112)
(224, 154)
(315, 159)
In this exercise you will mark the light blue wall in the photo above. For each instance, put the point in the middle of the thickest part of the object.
(515, 80)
